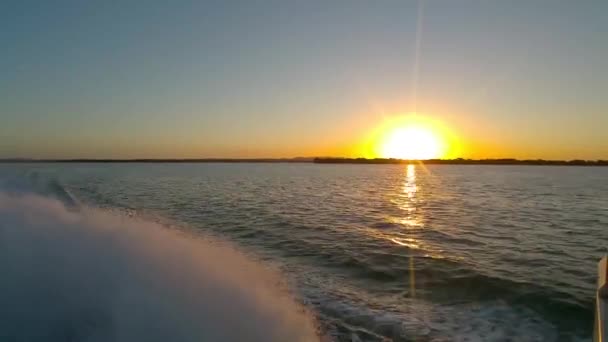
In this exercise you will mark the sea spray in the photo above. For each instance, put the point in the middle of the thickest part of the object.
(88, 275)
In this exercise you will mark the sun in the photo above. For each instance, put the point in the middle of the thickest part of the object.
(411, 136)
(411, 142)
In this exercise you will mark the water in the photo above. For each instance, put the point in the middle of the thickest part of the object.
(435, 253)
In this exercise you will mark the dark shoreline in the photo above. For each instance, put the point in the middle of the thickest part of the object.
(324, 160)
(461, 161)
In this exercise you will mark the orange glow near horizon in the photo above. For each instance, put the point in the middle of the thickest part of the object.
(413, 137)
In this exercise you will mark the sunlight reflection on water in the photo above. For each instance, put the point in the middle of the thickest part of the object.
(407, 200)
(410, 191)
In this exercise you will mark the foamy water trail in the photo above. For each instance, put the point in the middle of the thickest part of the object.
(88, 275)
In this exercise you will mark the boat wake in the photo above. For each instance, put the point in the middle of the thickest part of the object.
(89, 275)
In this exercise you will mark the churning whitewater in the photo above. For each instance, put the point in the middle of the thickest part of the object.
(90, 275)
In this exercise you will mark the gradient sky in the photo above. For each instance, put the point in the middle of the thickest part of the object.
(96, 79)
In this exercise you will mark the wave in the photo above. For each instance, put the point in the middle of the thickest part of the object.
(90, 275)
(359, 316)
(449, 286)
(34, 182)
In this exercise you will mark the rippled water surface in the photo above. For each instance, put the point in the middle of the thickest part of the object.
(435, 253)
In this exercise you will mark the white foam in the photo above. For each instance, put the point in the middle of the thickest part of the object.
(94, 276)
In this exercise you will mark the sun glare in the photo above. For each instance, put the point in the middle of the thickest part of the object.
(411, 143)
(412, 137)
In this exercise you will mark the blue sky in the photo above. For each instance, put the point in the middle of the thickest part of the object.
(526, 79)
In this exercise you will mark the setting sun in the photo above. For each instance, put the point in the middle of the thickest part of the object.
(411, 143)
(411, 136)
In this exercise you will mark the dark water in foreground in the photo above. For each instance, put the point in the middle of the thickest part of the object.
(436, 253)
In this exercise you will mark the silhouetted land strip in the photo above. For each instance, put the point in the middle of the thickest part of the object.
(461, 161)
(326, 160)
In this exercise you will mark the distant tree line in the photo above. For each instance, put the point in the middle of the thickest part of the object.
(325, 160)
(462, 161)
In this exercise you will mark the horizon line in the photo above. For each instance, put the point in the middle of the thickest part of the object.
(321, 160)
